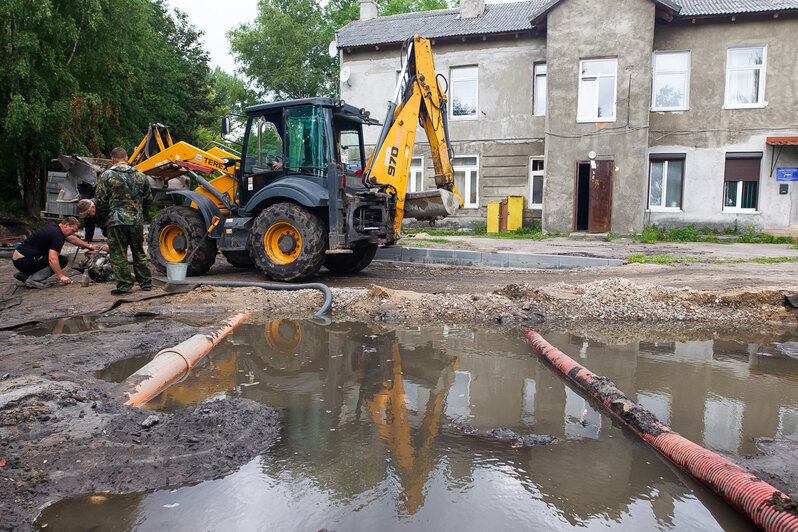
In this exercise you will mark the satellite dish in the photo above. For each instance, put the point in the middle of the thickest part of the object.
(332, 50)
(345, 74)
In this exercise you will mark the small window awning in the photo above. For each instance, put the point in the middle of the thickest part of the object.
(782, 141)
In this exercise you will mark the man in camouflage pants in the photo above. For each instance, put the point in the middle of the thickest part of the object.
(122, 198)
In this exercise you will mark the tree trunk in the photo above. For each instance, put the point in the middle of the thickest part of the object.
(32, 171)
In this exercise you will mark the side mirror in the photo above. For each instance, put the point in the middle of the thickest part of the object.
(229, 161)
(225, 125)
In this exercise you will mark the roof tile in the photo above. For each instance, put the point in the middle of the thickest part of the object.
(510, 17)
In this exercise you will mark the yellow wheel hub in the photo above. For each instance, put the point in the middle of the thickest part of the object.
(173, 243)
(284, 336)
(282, 243)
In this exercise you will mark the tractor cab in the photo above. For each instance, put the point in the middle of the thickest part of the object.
(299, 140)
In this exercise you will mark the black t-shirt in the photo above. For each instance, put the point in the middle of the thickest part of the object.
(41, 241)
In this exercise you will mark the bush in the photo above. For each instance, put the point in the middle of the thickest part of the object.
(651, 234)
(480, 228)
(685, 234)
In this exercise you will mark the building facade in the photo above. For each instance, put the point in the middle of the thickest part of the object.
(606, 115)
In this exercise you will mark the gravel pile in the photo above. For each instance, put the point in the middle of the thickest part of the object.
(622, 300)
(613, 300)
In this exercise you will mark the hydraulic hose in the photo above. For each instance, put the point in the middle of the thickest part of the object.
(324, 289)
(763, 504)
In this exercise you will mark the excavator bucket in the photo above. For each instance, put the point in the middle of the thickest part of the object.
(431, 204)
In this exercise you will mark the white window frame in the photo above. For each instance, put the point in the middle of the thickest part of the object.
(760, 97)
(686, 87)
(739, 199)
(415, 170)
(664, 208)
(536, 174)
(452, 83)
(468, 169)
(736, 208)
(537, 79)
(598, 85)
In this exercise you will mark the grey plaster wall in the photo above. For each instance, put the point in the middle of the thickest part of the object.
(702, 202)
(589, 29)
(504, 86)
(707, 131)
(707, 123)
(505, 132)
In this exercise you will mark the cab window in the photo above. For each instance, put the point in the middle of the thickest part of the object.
(264, 147)
(306, 141)
(349, 150)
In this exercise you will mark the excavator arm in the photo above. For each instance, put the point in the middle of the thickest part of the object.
(418, 98)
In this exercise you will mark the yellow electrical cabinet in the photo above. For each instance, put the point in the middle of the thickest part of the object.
(493, 217)
(515, 212)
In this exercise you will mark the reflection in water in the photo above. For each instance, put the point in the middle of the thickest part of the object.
(73, 325)
(371, 438)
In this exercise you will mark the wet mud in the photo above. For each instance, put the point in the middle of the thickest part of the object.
(61, 434)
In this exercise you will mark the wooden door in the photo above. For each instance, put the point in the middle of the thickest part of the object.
(600, 209)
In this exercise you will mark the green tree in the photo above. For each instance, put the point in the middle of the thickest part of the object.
(83, 76)
(284, 51)
(229, 94)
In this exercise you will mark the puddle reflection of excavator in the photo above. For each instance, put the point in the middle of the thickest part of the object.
(388, 409)
(383, 395)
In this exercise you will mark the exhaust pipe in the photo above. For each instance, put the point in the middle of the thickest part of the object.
(171, 363)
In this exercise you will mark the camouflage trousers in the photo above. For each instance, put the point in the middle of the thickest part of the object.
(120, 237)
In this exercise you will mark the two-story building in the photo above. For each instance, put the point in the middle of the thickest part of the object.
(606, 115)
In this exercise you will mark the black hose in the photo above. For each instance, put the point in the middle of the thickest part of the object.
(323, 288)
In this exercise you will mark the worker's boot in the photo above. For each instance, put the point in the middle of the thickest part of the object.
(37, 279)
(21, 276)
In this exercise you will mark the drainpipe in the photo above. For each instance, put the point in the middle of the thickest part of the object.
(760, 502)
(171, 363)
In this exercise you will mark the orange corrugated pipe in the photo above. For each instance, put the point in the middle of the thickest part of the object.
(750, 495)
(169, 364)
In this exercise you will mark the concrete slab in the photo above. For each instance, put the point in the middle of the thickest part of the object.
(457, 257)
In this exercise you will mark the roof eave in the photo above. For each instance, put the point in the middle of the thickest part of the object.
(531, 29)
(671, 8)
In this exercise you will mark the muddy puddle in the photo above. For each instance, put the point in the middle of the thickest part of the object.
(391, 429)
(78, 324)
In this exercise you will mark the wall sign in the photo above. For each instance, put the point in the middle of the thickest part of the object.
(786, 174)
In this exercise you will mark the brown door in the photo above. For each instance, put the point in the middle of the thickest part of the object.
(600, 207)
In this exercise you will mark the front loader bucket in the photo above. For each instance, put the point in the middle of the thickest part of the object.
(79, 170)
(431, 204)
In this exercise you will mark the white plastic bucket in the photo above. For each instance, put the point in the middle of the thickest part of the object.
(176, 271)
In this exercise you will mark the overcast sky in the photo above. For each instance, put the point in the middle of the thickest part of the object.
(217, 18)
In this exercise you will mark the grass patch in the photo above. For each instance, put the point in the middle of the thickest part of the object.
(480, 230)
(661, 259)
(437, 241)
(673, 259)
(652, 234)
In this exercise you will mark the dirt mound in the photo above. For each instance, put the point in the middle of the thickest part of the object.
(59, 441)
(11, 225)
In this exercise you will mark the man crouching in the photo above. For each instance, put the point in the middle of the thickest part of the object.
(38, 257)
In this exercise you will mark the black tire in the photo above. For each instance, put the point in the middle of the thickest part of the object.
(239, 259)
(174, 233)
(287, 242)
(361, 256)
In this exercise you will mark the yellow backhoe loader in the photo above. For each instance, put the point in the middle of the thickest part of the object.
(167, 164)
(305, 197)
